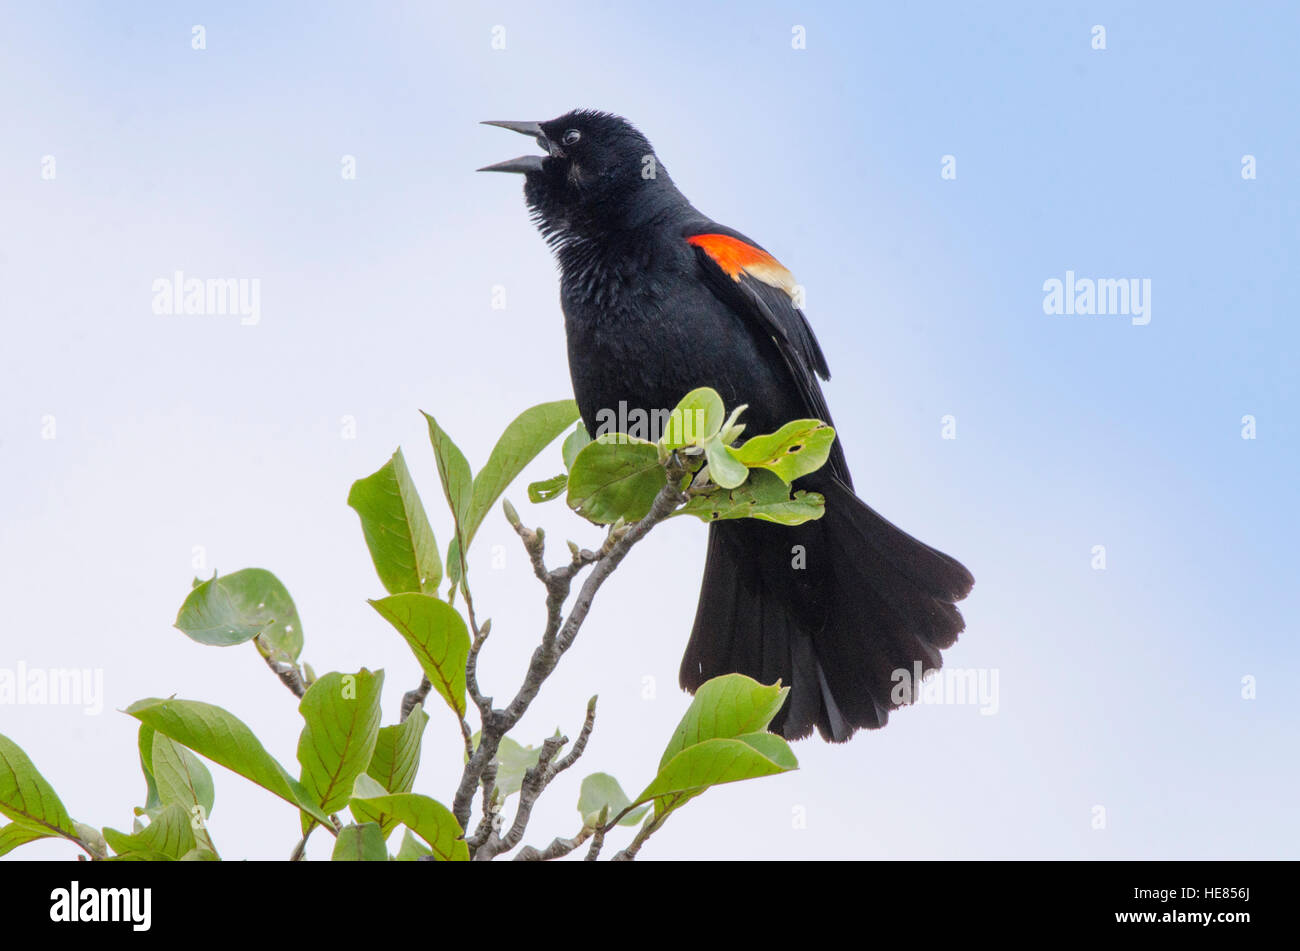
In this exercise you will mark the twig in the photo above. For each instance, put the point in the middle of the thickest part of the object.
(289, 674)
(301, 847)
(558, 848)
(412, 697)
(571, 757)
(558, 636)
(491, 809)
(597, 841)
(483, 703)
(467, 737)
(647, 830)
(536, 779)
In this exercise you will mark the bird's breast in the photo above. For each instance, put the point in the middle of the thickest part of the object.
(643, 330)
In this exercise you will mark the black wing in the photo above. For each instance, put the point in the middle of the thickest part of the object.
(762, 293)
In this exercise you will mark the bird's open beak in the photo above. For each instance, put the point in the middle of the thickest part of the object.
(524, 163)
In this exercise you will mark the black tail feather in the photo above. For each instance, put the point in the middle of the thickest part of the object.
(832, 608)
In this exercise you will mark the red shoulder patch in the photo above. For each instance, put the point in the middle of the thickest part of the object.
(735, 256)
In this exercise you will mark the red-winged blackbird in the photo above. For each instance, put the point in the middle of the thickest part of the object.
(658, 300)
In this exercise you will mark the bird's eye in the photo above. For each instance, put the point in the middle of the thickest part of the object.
(571, 137)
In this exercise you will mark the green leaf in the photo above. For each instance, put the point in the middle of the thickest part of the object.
(763, 496)
(140, 857)
(25, 796)
(181, 776)
(714, 762)
(599, 791)
(438, 636)
(457, 488)
(366, 788)
(528, 434)
(428, 819)
(360, 843)
(199, 854)
(412, 848)
(548, 489)
(799, 447)
(223, 738)
(724, 469)
(16, 833)
(144, 741)
(616, 477)
(183, 780)
(694, 420)
(397, 752)
(574, 443)
(397, 530)
(720, 740)
(169, 834)
(341, 714)
(228, 610)
(725, 707)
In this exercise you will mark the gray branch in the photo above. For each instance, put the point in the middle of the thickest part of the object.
(289, 674)
(557, 849)
(412, 697)
(558, 635)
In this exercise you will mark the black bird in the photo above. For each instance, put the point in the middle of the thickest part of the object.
(660, 299)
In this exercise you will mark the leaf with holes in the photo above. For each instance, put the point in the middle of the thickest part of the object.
(547, 489)
(763, 496)
(234, 608)
(799, 447)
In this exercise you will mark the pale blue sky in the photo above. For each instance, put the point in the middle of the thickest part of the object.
(1119, 688)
